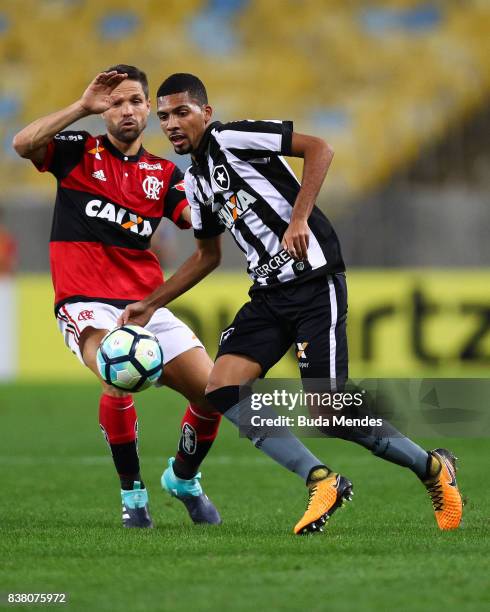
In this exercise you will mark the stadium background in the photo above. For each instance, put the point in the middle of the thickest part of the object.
(399, 88)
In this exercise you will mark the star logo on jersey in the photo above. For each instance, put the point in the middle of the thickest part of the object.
(152, 187)
(221, 178)
(301, 352)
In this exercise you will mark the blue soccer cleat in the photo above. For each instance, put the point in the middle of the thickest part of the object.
(135, 507)
(190, 493)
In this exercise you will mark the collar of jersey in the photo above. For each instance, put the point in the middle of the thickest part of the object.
(199, 160)
(117, 153)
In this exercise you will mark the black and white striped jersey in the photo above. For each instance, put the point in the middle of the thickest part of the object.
(240, 181)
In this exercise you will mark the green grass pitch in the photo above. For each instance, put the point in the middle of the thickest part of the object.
(60, 521)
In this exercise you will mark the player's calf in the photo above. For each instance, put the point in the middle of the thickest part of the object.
(119, 424)
(199, 429)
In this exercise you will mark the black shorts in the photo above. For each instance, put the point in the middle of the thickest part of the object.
(312, 315)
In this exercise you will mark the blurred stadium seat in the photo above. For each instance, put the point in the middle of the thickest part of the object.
(379, 80)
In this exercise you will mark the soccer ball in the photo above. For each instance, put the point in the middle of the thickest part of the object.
(130, 358)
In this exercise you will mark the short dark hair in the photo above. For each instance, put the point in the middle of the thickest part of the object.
(182, 81)
(134, 74)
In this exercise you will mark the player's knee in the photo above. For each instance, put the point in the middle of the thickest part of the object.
(212, 386)
(89, 343)
(113, 392)
(201, 403)
(216, 381)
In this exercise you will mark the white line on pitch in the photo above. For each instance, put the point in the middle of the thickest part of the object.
(102, 460)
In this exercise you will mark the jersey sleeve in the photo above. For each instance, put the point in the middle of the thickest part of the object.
(205, 222)
(250, 139)
(175, 200)
(64, 152)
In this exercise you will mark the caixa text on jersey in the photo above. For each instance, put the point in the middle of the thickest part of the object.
(117, 214)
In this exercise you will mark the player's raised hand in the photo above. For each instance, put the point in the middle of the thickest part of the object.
(138, 313)
(296, 239)
(97, 98)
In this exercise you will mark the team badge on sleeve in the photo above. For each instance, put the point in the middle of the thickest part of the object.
(179, 186)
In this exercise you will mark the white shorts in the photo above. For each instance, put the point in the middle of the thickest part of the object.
(174, 336)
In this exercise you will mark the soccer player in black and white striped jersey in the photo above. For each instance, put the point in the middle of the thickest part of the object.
(239, 181)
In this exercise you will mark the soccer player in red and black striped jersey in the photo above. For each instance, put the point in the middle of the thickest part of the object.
(111, 196)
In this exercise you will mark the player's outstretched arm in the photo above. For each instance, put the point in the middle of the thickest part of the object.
(32, 141)
(317, 155)
(202, 262)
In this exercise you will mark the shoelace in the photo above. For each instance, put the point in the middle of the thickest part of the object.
(311, 495)
(435, 494)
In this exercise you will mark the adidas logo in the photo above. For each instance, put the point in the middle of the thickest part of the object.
(99, 174)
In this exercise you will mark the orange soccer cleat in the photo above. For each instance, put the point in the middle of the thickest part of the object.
(443, 490)
(326, 495)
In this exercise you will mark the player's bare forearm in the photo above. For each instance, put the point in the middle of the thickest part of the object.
(317, 155)
(185, 215)
(202, 262)
(198, 266)
(39, 133)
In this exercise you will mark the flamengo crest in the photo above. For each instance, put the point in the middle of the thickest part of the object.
(152, 186)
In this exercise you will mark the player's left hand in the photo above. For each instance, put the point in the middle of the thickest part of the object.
(296, 239)
(138, 313)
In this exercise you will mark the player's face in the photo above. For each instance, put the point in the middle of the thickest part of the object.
(128, 115)
(183, 120)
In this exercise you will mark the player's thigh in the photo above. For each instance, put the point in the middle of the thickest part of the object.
(174, 336)
(89, 342)
(250, 346)
(186, 364)
(321, 333)
(188, 374)
(83, 325)
(233, 370)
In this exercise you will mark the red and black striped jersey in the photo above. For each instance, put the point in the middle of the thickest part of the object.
(107, 207)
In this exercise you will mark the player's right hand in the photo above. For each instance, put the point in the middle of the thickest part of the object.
(97, 98)
(138, 313)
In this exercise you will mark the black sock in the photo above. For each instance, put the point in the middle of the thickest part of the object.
(186, 466)
(199, 429)
(127, 464)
